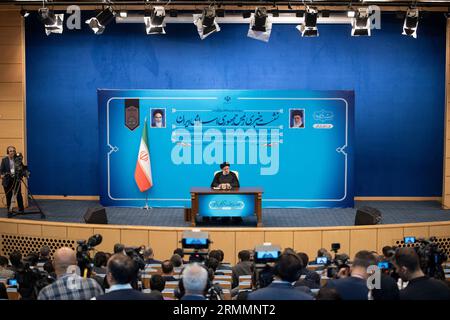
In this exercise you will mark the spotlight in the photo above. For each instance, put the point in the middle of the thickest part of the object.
(351, 13)
(361, 23)
(411, 22)
(53, 22)
(154, 20)
(206, 22)
(260, 25)
(123, 14)
(98, 23)
(309, 27)
(24, 13)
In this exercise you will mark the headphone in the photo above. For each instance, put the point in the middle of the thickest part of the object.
(277, 271)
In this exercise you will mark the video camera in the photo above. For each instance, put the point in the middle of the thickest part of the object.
(431, 257)
(195, 244)
(339, 261)
(83, 248)
(20, 170)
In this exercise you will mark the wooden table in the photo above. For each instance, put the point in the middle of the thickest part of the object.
(196, 191)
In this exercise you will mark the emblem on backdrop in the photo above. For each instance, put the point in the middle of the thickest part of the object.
(132, 113)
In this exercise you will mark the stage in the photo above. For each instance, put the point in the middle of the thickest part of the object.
(393, 212)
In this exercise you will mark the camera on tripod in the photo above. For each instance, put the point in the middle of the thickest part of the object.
(431, 257)
(195, 244)
(339, 261)
(83, 248)
(20, 170)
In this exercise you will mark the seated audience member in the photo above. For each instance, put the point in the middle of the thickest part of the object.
(69, 285)
(5, 273)
(354, 287)
(44, 254)
(99, 270)
(157, 285)
(287, 270)
(177, 261)
(100, 263)
(194, 278)
(180, 252)
(420, 287)
(219, 255)
(388, 285)
(16, 260)
(308, 278)
(149, 257)
(167, 271)
(119, 248)
(328, 294)
(214, 291)
(243, 268)
(121, 272)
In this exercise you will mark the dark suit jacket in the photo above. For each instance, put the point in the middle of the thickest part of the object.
(350, 288)
(126, 294)
(5, 169)
(279, 291)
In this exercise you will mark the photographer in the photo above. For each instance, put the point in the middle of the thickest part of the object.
(420, 286)
(10, 180)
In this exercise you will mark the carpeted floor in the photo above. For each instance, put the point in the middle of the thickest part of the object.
(393, 212)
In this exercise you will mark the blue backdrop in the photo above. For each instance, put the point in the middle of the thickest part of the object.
(310, 165)
(398, 84)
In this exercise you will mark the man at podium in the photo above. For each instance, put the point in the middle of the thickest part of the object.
(225, 179)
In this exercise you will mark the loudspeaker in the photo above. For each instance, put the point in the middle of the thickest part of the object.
(367, 216)
(96, 216)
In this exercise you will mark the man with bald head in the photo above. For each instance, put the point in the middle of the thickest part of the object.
(69, 285)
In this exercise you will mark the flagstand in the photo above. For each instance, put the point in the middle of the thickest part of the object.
(147, 207)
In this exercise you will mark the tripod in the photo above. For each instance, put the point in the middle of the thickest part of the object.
(18, 179)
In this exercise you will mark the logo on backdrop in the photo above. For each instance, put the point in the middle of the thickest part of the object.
(227, 136)
(323, 116)
(132, 113)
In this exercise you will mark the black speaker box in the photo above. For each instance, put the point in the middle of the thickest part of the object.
(96, 216)
(367, 216)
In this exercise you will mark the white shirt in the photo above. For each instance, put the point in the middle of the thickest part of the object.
(116, 287)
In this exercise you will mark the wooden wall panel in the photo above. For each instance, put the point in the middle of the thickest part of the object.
(11, 91)
(10, 19)
(10, 35)
(336, 236)
(11, 72)
(110, 238)
(418, 232)
(11, 53)
(283, 238)
(79, 233)
(364, 239)
(4, 143)
(30, 229)
(163, 243)
(308, 242)
(226, 242)
(11, 110)
(440, 231)
(54, 231)
(248, 240)
(387, 237)
(134, 237)
(11, 129)
(8, 227)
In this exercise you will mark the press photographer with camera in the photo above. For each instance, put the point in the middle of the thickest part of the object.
(420, 286)
(10, 179)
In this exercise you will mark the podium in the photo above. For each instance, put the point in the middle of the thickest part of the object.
(241, 202)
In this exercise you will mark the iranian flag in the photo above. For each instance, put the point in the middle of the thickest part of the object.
(143, 172)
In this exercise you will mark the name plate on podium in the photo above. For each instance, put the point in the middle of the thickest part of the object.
(226, 205)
